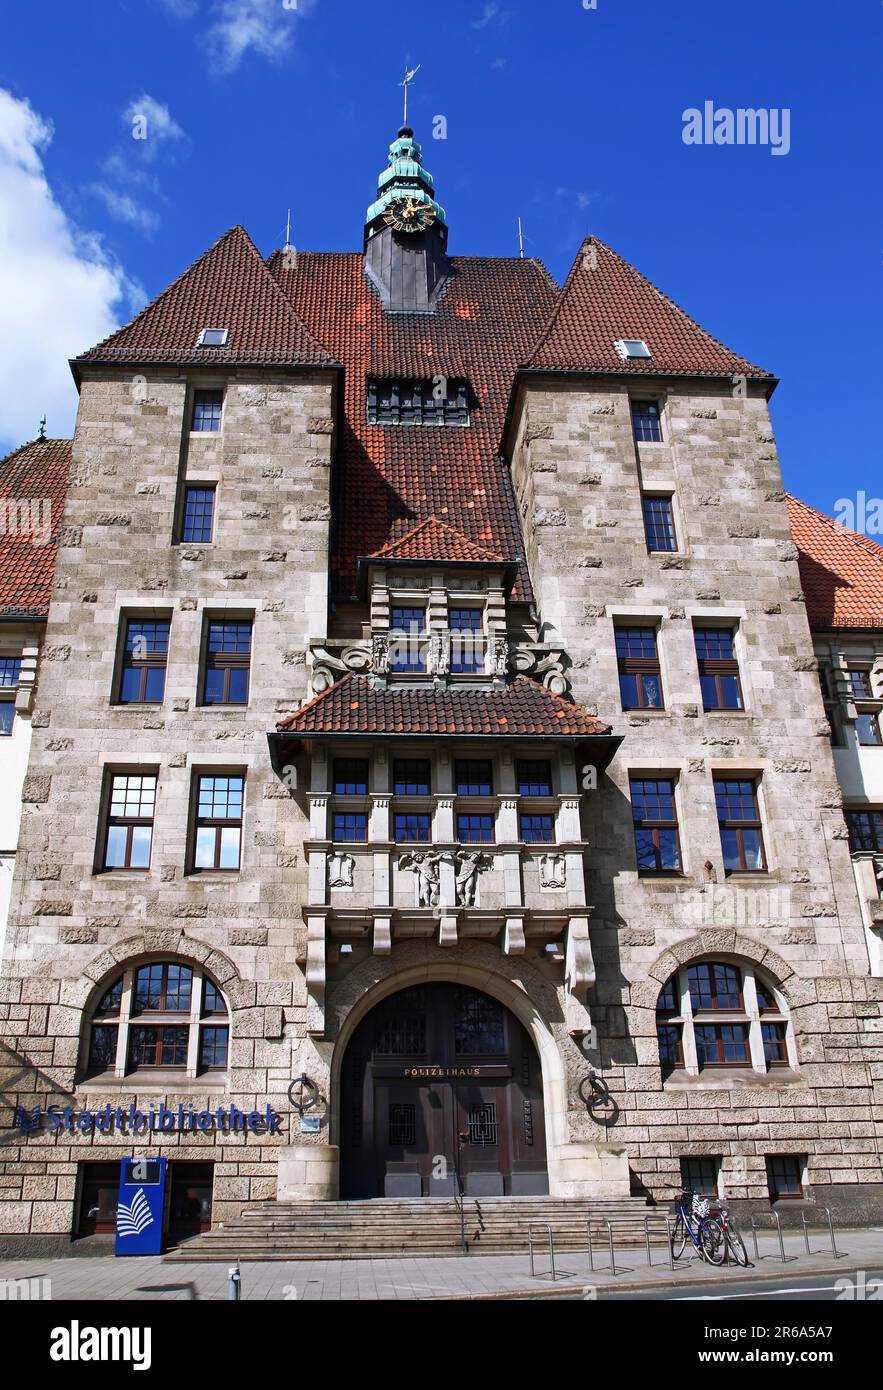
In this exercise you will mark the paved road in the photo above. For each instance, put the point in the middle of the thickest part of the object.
(791, 1288)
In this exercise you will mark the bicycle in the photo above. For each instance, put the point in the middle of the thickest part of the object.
(734, 1242)
(708, 1237)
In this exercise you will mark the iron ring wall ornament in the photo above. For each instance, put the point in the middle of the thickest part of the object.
(596, 1096)
(303, 1093)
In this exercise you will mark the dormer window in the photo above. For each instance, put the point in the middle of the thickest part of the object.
(631, 347)
(213, 337)
(404, 401)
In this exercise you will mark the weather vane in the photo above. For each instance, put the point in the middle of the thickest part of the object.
(410, 74)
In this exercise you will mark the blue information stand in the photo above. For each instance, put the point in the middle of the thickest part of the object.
(140, 1210)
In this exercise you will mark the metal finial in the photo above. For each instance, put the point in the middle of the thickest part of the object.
(41, 432)
(287, 246)
(410, 74)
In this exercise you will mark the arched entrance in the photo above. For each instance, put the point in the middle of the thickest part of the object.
(440, 1077)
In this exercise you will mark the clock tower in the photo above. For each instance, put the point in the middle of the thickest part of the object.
(406, 233)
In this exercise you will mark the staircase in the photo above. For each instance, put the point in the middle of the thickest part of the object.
(390, 1229)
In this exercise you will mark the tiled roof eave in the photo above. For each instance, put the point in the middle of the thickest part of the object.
(80, 365)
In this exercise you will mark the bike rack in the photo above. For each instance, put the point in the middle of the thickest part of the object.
(530, 1231)
(610, 1247)
(667, 1220)
(827, 1211)
(773, 1216)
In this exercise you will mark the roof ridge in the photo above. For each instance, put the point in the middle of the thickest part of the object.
(29, 443)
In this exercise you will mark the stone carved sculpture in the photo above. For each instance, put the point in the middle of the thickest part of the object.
(553, 871)
(470, 863)
(500, 656)
(380, 654)
(340, 870)
(438, 654)
(426, 870)
(878, 873)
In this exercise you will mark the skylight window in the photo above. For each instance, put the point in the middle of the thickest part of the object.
(632, 347)
(213, 337)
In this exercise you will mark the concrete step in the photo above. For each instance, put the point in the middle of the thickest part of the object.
(388, 1229)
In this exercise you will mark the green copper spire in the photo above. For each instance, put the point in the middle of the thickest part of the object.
(404, 178)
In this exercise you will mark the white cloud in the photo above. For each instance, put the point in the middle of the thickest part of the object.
(489, 15)
(240, 26)
(151, 125)
(59, 291)
(126, 208)
(180, 9)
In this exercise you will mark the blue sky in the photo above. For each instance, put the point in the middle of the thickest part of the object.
(568, 116)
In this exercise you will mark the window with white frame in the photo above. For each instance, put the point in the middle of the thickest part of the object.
(162, 1015)
(712, 1015)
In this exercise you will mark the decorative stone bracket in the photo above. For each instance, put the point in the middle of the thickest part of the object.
(545, 662)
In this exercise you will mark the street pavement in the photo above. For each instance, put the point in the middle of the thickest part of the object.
(814, 1275)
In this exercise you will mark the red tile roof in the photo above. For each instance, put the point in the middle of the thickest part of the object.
(605, 299)
(488, 317)
(36, 475)
(353, 705)
(841, 571)
(228, 287)
(433, 540)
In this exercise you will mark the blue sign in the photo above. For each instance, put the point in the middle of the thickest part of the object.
(140, 1209)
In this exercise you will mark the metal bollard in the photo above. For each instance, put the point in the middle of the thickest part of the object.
(234, 1284)
(754, 1237)
(530, 1249)
(610, 1242)
(647, 1234)
(671, 1253)
(805, 1232)
(589, 1243)
(551, 1254)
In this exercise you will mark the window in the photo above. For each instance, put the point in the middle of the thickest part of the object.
(10, 675)
(434, 401)
(199, 515)
(131, 802)
(479, 1025)
(631, 347)
(474, 777)
(228, 657)
(740, 829)
(411, 777)
(657, 843)
(213, 337)
(659, 525)
(640, 683)
(867, 729)
(646, 423)
(867, 721)
(534, 778)
(784, 1176)
(718, 668)
(160, 1014)
(467, 640)
(218, 841)
(410, 825)
(865, 830)
(475, 829)
(206, 417)
(143, 675)
(350, 776)
(537, 829)
(860, 684)
(720, 1014)
(407, 652)
(350, 825)
(700, 1174)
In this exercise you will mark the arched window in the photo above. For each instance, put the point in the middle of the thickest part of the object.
(714, 1014)
(161, 1016)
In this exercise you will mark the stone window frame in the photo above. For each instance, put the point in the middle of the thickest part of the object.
(724, 773)
(638, 411)
(11, 662)
(717, 667)
(657, 774)
(106, 819)
(196, 821)
(125, 1017)
(750, 1014)
(655, 494)
(225, 660)
(639, 666)
(127, 616)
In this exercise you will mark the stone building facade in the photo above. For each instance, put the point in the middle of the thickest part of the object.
(429, 643)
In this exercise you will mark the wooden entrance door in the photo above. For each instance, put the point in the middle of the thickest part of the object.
(441, 1087)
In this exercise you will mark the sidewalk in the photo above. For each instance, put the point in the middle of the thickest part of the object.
(475, 1276)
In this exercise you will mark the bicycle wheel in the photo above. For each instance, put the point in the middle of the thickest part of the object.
(678, 1238)
(712, 1240)
(737, 1246)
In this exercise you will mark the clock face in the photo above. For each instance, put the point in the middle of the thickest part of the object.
(406, 215)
